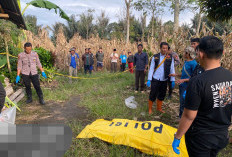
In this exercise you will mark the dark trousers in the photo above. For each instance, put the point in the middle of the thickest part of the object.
(87, 68)
(27, 79)
(123, 66)
(158, 90)
(170, 87)
(139, 78)
(181, 92)
(2, 96)
(205, 145)
(113, 66)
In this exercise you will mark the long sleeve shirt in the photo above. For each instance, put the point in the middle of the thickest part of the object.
(28, 63)
(159, 73)
(140, 61)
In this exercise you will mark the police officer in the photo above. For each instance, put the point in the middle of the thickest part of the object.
(28, 61)
(208, 104)
(162, 65)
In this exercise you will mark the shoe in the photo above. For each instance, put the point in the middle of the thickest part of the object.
(41, 101)
(29, 100)
(136, 91)
(142, 92)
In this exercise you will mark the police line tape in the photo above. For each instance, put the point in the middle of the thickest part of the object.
(74, 77)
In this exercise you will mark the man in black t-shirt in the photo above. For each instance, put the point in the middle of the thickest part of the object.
(208, 104)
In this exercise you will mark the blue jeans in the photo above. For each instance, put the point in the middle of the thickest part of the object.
(182, 88)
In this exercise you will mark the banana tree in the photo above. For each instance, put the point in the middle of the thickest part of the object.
(46, 5)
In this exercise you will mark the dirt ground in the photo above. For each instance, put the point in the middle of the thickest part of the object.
(52, 112)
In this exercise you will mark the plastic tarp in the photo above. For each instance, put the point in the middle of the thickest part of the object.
(151, 137)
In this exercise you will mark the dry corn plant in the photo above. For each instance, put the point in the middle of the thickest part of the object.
(178, 43)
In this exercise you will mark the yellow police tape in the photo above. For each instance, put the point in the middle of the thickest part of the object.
(7, 100)
(151, 137)
(83, 78)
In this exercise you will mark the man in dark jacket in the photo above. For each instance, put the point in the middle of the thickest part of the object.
(88, 61)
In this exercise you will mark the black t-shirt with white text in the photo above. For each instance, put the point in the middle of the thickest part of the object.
(211, 94)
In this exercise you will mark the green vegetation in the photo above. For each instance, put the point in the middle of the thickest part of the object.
(104, 98)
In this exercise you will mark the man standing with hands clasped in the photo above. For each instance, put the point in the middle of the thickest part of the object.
(28, 61)
(208, 108)
(162, 64)
(140, 62)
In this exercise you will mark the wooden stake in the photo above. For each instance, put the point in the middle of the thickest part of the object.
(7, 56)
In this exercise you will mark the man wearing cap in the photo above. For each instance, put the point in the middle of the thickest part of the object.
(73, 63)
(28, 61)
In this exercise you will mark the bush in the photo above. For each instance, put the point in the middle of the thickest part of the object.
(45, 57)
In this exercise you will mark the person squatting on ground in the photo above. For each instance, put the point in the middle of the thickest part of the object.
(2, 96)
(114, 61)
(208, 104)
(130, 61)
(189, 65)
(123, 59)
(176, 63)
(140, 62)
(100, 59)
(162, 65)
(73, 63)
(87, 59)
(28, 61)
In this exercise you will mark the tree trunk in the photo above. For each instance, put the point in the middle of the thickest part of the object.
(127, 20)
(7, 56)
(152, 30)
(176, 15)
(199, 24)
(143, 19)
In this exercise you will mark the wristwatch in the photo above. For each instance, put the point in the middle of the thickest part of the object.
(175, 137)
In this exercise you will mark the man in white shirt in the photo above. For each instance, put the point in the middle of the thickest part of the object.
(162, 65)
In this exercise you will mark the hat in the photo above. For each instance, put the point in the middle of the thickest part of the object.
(72, 49)
(191, 51)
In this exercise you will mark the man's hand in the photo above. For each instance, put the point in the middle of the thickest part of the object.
(148, 83)
(174, 75)
(180, 81)
(145, 71)
(17, 79)
(175, 144)
(44, 75)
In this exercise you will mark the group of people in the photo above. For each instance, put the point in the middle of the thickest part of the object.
(73, 61)
(205, 88)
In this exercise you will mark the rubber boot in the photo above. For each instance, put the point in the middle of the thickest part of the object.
(41, 100)
(159, 106)
(150, 103)
(29, 99)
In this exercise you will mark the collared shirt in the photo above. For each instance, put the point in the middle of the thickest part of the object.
(28, 63)
(159, 73)
(140, 61)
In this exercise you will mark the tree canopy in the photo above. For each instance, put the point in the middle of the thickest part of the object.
(217, 10)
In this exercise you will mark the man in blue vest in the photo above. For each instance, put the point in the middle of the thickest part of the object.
(162, 65)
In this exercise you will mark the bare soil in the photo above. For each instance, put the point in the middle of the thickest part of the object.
(52, 112)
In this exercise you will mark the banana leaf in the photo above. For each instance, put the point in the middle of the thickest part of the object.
(48, 5)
